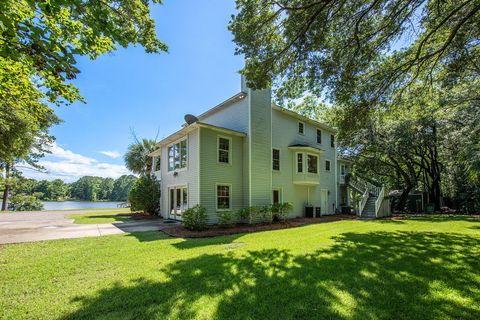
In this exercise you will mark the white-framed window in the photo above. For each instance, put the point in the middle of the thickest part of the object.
(224, 145)
(299, 162)
(312, 163)
(319, 136)
(276, 159)
(327, 165)
(332, 141)
(224, 193)
(343, 169)
(156, 163)
(301, 128)
(177, 155)
(178, 200)
(276, 195)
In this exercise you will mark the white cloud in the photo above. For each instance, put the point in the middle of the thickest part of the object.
(70, 166)
(111, 154)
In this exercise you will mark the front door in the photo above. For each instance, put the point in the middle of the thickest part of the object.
(324, 201)
(178, 201)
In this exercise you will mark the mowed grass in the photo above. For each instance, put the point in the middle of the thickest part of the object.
(108, 216)
(423, 268)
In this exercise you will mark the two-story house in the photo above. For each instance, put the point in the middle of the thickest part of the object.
(247, 151)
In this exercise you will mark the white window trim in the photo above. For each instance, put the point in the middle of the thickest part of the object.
(174, 187)
(168, 155)
(321, 136)
(230, 145)
(318, 163)
(279, 160)
(216, 196)
(154, 162)
(325, 167)
(334, 141)
(295, 162)
(280, 194)
(298, 125)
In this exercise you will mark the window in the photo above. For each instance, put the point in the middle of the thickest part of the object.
(276, 196)
(223, 197)
(223, 150)
(343, 169)
(319, 136)
(327, 165)
(332, 140)
(299, 162)
(178, 200)
(301, 128)
(312, 163)
(275, 159)
(157, 163)
(177, 155)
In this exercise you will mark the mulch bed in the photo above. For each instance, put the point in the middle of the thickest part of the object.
(216, 230)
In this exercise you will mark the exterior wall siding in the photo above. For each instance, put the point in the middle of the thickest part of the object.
(234, 117)
(187, 177)
(260, 147)
(284, 134)
(212, 172)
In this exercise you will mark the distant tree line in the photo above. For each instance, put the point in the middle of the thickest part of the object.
(87, 188)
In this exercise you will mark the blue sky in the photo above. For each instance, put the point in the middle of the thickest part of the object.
(132, 90)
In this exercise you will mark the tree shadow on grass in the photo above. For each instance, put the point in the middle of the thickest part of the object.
(190, 243)
(444, 218)
(377, 275)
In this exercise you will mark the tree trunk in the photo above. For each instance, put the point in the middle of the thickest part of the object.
(6, 190)
(404, 198)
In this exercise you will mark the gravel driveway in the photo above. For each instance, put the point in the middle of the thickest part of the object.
(48, 225)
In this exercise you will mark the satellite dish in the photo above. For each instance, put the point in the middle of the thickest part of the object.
(190, 118)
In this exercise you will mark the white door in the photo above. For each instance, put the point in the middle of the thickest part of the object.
(178, 201)
(324, 201)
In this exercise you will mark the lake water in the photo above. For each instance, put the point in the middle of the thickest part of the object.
(69, 205)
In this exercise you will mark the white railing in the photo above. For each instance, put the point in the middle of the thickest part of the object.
(363, 186)
(378, 202)
(363, 202)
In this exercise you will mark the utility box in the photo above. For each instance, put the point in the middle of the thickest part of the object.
(309, 211)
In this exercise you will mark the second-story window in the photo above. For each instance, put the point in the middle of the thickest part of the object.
(327, 165)
(157, 163)
(275, 159)
(301, 128)
(299, 162)
(312, 163)
(223, 150)
(177, 155)
(332, 140)
(319, 136)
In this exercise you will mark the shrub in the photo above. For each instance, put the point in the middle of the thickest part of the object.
(145, 195)
(266, 213)
(225, 218)
(249, 214)
(280, 210)
(23, 202)
(195, 218)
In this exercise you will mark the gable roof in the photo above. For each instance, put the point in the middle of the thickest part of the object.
(302, 118)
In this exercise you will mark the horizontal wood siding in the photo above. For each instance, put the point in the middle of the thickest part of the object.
(213, 173)
(284, 134)
(188, 177)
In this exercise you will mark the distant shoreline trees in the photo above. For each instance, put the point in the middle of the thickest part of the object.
(87, 188)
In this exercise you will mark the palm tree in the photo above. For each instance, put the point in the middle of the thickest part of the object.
(137, 159)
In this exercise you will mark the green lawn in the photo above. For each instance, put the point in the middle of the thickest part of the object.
(114, 215)
(424, 268)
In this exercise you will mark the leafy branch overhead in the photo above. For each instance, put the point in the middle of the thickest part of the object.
(354, 49)
(46, 36)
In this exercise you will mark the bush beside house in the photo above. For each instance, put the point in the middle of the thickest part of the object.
(145, 194)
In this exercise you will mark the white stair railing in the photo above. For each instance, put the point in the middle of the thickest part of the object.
(378, 202)
(363, 202)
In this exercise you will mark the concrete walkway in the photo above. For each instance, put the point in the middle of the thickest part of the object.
(48, 225)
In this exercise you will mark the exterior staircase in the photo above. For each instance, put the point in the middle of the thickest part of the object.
(372, 197)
